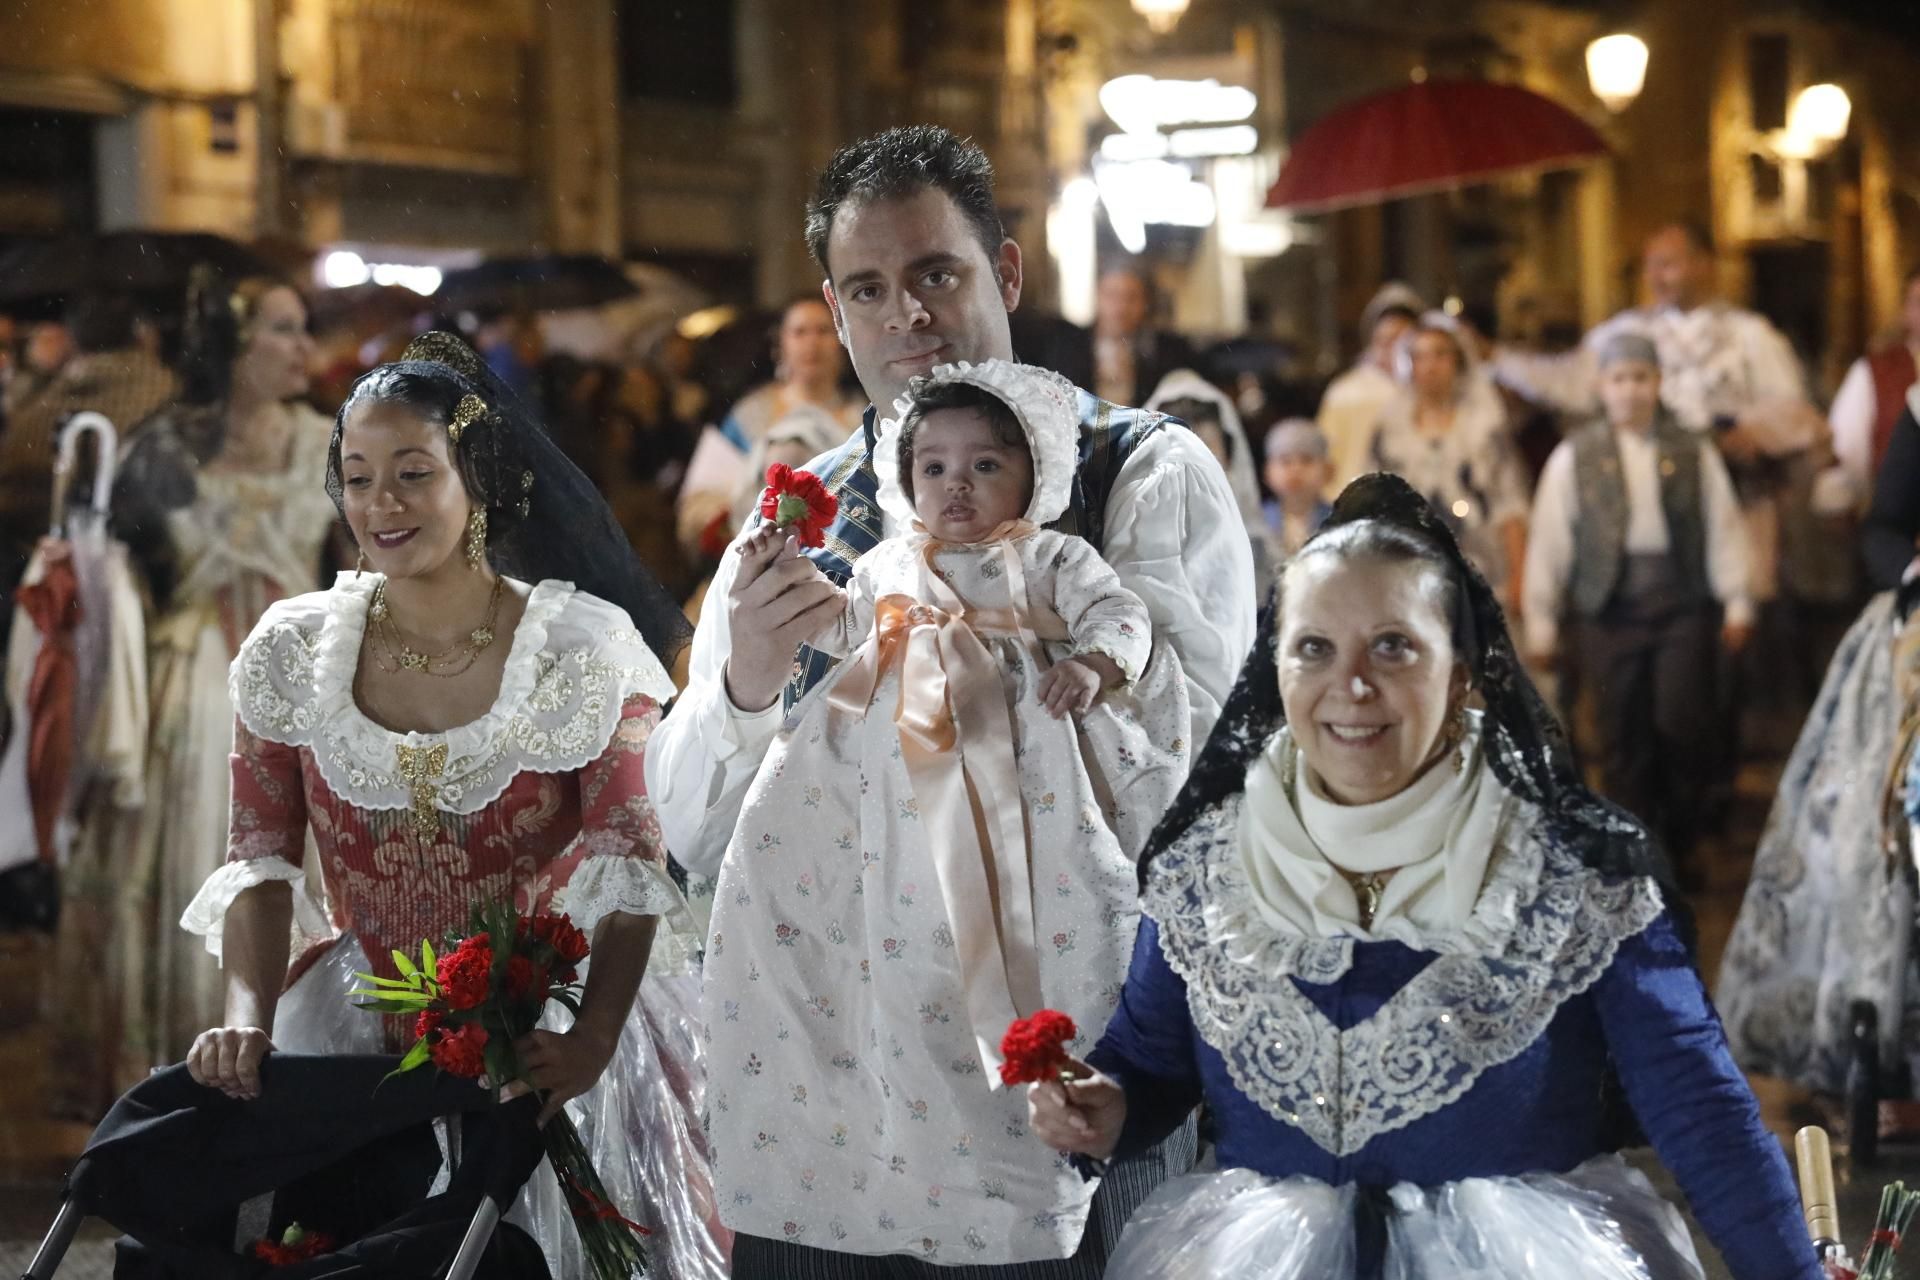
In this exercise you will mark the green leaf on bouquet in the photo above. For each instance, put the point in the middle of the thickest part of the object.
(416, 1057)
(385, 992)
(405, 964)
(390, 1005)
(428, 964)
(392, 984)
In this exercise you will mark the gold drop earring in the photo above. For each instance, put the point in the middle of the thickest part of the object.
(476, 538)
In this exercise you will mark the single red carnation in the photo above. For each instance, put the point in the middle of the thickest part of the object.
(463, 973)
(567, 941)
(1034, 1048)
(427, 1023)
(797, 500)
(524, 980)
(462, 1051)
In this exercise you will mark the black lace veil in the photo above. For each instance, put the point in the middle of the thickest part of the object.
(1524, 744)
(545, 519)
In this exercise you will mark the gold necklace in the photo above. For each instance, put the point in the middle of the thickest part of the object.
(392, 654)
(1367, 887)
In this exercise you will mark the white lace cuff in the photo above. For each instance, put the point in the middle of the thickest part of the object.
(605, 883)
(206, 915)
(1125, 656)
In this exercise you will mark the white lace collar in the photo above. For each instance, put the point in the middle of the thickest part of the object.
(574, 662)
(1544, 930)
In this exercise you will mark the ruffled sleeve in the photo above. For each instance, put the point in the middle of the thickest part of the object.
(266, 841)
(620, 861)
(1102, 616)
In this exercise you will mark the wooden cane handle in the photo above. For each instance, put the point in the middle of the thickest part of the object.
(1815, 1156)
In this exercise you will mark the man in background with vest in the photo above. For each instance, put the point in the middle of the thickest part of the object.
(1637, 540)
(1869, 402)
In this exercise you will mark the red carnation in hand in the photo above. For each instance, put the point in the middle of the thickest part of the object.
(462, 1052)
(1035, 1048)
(523, 980)
(559, 933)
(463, 974)
(797, 500)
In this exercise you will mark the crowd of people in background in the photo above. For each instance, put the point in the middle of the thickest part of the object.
(1430, 397)
(1677, 551)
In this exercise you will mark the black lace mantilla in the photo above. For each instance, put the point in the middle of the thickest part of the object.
(1525, 745)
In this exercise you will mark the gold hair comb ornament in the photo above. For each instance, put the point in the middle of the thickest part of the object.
(469, 411)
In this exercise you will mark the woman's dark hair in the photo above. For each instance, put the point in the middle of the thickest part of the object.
(545, 518)
(905, 161)
(436, 400)
(1400, 545)
(933, 398)
(220, 319)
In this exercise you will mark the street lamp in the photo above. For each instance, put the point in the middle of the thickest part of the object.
(1818, 118)
(1161, 15)
(1617, 69)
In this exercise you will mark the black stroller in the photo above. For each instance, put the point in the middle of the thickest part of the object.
(193, 1177)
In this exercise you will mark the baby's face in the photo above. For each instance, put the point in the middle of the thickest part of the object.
(965, 482)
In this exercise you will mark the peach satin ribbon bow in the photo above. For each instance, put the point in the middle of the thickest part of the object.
(956, 741)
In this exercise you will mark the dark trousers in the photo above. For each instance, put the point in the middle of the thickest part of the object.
(1650, 659)
(1128, 1183)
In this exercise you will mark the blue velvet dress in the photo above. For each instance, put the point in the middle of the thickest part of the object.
(1393, 1073)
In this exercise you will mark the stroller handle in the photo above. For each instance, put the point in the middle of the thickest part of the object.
(46, 1259)
(467, 1260)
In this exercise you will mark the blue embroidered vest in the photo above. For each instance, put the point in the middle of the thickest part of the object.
(1108, 436)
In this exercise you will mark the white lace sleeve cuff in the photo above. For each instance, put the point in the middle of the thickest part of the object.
(206, 915)
(605, 883)
(1124, 649)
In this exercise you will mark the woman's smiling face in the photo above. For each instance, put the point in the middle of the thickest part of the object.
(1368, 674)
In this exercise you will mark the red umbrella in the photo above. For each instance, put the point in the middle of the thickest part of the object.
(54, 605)
(1428, 137)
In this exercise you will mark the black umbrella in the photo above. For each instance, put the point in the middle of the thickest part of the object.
(551, 282)
(343, 1150)
(43, 276)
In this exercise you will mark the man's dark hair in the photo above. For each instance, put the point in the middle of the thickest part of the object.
(101, 322)
(903, 162)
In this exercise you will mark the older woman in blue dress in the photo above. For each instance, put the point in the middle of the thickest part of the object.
(1425, 979)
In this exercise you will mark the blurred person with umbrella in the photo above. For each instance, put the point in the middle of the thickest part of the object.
(808, 370)
(1354, 401)
(222, 499)
(112, 372)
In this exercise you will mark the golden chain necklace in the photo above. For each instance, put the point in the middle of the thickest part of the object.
(392, 654)
(1367, 888)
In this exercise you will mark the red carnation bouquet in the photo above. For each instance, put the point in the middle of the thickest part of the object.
(1035, 1049)
(797, 500)
(471, 1004)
